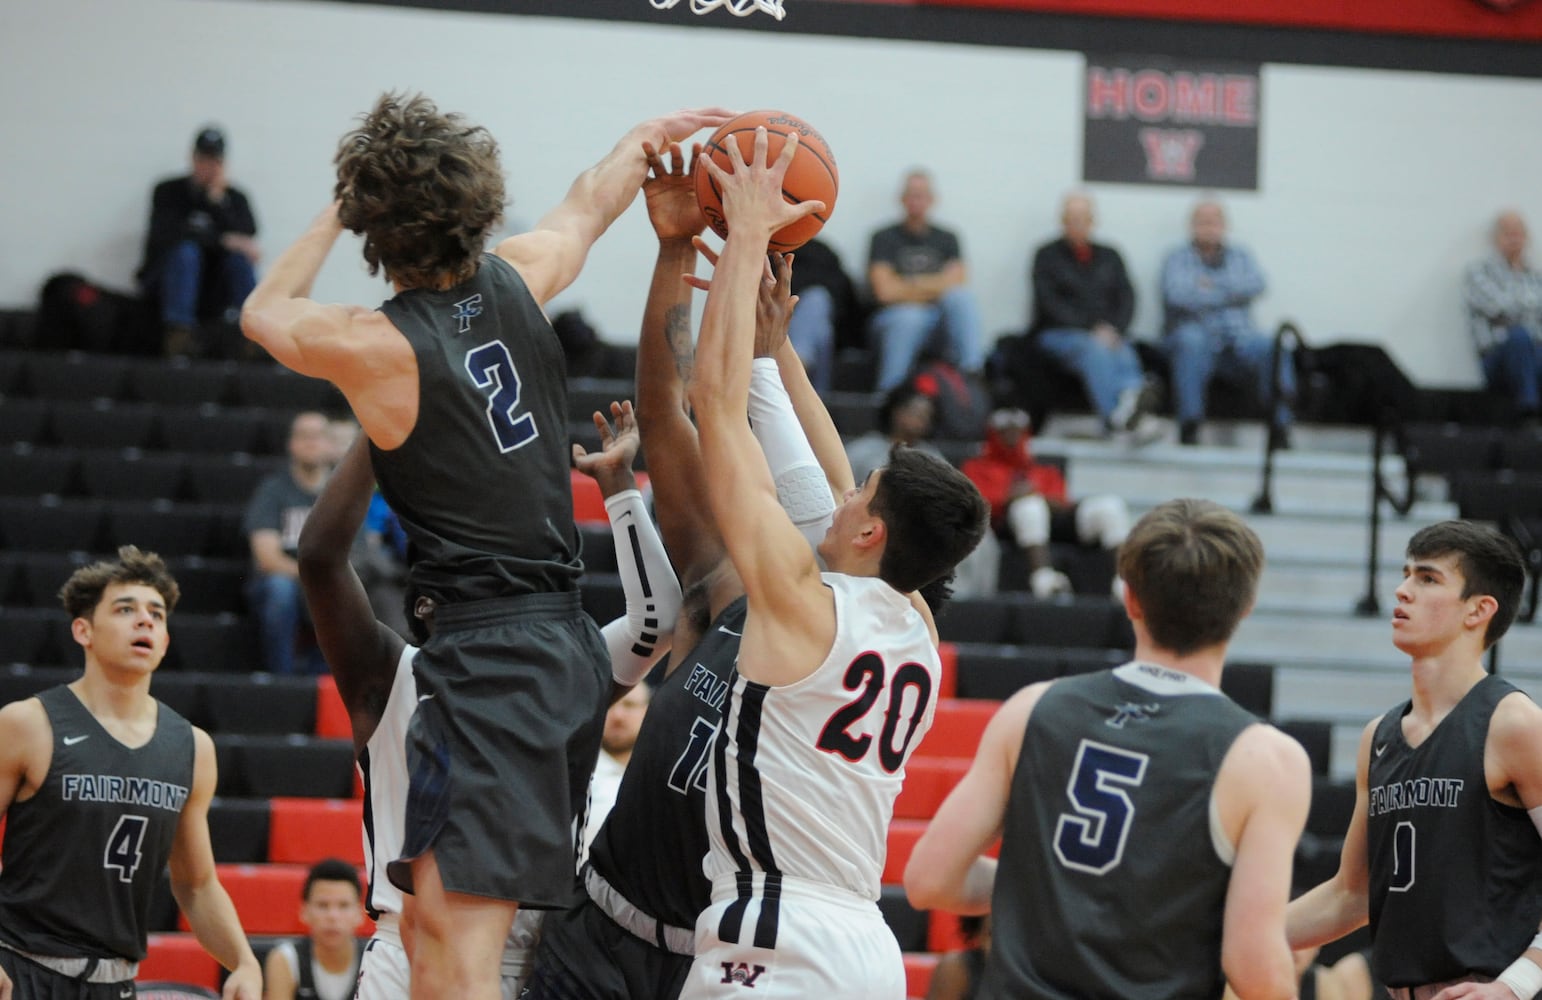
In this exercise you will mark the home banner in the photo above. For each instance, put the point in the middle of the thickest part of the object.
(1154, 120)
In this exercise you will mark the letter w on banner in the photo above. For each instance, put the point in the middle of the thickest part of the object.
(1154, 120)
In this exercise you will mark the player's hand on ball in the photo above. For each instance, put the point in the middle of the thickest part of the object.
(752, 192)
(686, 123)
(671, 194)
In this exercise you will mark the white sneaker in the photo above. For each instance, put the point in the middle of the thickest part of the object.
(1047, 581)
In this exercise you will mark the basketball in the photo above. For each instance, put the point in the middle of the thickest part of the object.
(812, 175)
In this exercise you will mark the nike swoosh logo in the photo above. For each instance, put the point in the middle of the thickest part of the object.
(425, 697)
(1381, 750)
(728, 631)
(70, 741)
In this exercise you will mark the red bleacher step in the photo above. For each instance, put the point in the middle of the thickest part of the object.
(918, 973)
(178, 958)
(957, 727)
(332, 720)
(928, 780)
(304, 831)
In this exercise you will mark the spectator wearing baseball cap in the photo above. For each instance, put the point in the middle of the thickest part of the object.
(200, 252)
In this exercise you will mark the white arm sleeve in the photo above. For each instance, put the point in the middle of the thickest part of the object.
(637, 640)
(801, 486)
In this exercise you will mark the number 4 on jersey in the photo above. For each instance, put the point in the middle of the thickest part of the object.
(123, 846)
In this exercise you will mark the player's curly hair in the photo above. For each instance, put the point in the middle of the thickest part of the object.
(424, 189)
(82, 592)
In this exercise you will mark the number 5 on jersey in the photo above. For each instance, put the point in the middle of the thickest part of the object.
(1092, 838)
(491, 368)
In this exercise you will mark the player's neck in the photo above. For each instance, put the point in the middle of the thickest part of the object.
(1442, 680)
(334, 956)
(112, 693)
(1203, 664)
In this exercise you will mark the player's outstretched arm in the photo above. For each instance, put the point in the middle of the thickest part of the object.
(550, 256)
(1262, 794)
(638, 638)
(795, 613)
(197, 889)
(665, 356)
(948, 869)
(1342, 904)
(361, 651)
(302, 335)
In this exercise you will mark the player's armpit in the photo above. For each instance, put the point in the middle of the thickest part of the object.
(1266, 777)
(1512, 755)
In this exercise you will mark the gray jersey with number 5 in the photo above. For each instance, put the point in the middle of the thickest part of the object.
(83, 855)
(1112, 880)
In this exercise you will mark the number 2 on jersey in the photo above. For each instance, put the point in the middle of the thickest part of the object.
(123, 846)
(1092, 840)
(866, 673)
(491, 368)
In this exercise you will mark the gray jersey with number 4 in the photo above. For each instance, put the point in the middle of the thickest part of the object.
(1112, 880)
(82, 856)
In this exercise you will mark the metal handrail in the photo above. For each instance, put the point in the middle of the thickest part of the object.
(1390, 424)
(1264, 502)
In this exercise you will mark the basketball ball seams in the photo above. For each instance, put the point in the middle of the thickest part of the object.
(804, 182)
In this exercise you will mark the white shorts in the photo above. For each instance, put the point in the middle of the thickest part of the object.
(830, 945)
(519, 952)
(384, 973)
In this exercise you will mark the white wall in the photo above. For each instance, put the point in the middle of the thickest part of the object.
(1376, 186)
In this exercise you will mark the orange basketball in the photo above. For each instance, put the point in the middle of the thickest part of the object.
(811, 176)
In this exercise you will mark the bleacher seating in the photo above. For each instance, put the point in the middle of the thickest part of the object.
(96, 452)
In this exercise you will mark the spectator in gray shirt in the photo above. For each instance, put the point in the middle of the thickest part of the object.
(1504, 307)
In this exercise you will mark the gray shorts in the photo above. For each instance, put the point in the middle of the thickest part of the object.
(511, 704)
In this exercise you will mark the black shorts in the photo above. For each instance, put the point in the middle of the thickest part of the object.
(30, 981)
(584, 955)
(511, 704)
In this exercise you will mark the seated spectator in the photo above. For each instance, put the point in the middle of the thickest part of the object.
(200, 251)
(1082, 306)
(1504, 304)
(959, 973)
(325, 963)
(622, 721)
(905, 419)
(1208, 288)
(1029, 505)
(917, 275)
(274, 517)
(826, 301)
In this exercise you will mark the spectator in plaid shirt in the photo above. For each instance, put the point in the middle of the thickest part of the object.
(1504, 306)
(1208, 287)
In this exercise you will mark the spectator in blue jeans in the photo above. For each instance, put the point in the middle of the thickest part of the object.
(917, 275)
(1504, 306)
(201, 240)
(1082, 306)
(274, 517)
(1208, 287)
(827, 300)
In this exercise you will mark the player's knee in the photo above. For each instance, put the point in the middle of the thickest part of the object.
(1028, 517)
(1103, 521)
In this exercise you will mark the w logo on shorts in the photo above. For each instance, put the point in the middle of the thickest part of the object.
(741, 973)
(467, 310)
